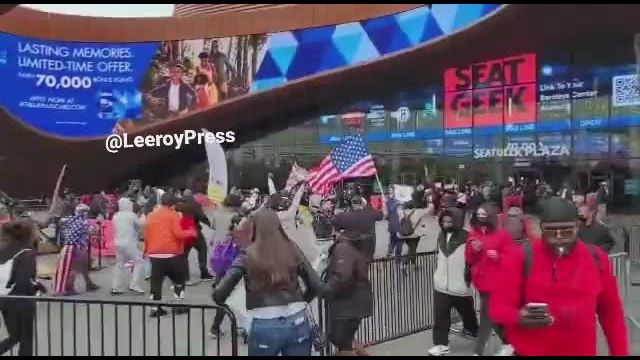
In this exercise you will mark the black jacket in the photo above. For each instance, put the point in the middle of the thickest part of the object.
(23, 276)
(596, 234)
(254, 300)
(194, 209)
(348, 289)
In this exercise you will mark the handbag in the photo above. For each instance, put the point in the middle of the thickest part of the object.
(317, 337)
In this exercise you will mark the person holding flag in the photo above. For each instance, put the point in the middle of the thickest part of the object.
(349, 160)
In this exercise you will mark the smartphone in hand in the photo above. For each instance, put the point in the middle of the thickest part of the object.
(538, 309)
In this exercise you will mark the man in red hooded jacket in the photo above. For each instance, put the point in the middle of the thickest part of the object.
(550, 296)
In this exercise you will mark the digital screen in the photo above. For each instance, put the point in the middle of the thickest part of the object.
(377, 124)
(625, 145)
(458, 147)
(477, 96)
(625, 97)
(329, 129)
(554, 98)
(487, 147)
(591, 144)
(434, 147)
(590, 92)
(429, 119)
(403, 123)
(554, 144)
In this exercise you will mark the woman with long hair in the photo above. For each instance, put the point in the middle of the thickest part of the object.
(271, 267)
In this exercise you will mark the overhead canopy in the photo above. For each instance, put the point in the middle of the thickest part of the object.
(29, 160)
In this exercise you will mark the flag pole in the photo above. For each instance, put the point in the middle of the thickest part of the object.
(384, 202)
(54, 198)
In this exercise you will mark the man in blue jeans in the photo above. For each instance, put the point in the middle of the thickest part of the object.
(393, 221)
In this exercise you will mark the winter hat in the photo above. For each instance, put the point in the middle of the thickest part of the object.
(557, 209)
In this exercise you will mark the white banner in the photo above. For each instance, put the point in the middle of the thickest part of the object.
(296, 175)
(403, 193)
(218, 181)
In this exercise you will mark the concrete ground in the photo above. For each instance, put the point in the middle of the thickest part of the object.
(79, 328)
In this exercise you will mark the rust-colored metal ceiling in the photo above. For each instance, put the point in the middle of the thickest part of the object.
(201, 9)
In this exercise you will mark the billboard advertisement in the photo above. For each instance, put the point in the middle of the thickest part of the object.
(82, 89)
(491, 96)
(75, 89)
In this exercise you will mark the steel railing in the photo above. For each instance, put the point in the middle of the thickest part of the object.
(80, 327)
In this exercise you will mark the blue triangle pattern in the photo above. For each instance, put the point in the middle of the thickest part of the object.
(348, 44)
(332, 59)
(319, 34)
(466, 14)
(348, 29)
(445, 14)
(266, 84)
(268, 68)
(365, 51)
(399, 41)
(412, 23)
(381, 32)
(489, 8)
(299, 53)
(431, 29)
(283, 56)
(307, 60)
(282, 39)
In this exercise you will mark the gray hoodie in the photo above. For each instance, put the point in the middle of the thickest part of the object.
(126, 224)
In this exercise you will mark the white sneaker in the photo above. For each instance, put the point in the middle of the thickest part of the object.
(438, 350)
(505, 350)
(136, 290)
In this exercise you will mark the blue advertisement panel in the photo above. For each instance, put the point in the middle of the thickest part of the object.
(458, 147)
(72, 89)
(591, 144)
(590, 92)
(554, 98)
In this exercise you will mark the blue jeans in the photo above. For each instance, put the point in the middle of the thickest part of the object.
(289, 336)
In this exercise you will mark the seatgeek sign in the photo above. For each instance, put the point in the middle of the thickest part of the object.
(488, 95)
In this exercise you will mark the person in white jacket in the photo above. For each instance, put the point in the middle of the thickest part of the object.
(451, 282)
(127, 226)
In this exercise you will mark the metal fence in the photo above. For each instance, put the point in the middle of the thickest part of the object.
(74, 327)
(403, 297)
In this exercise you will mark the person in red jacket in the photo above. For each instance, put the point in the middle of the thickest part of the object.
(485, 249)
(187, 223)
(550, 296)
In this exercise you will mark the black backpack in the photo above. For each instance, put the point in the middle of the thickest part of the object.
(322, 227)
(406, 227)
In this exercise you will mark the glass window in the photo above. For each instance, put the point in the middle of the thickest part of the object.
(591, 144)
(307, 133)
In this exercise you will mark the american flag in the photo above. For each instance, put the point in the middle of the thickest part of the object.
(349, 160)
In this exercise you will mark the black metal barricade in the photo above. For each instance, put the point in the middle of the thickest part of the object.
(403, 291)
(402, 299)
(79, 327)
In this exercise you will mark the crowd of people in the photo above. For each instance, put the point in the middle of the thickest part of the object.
(541, 290)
